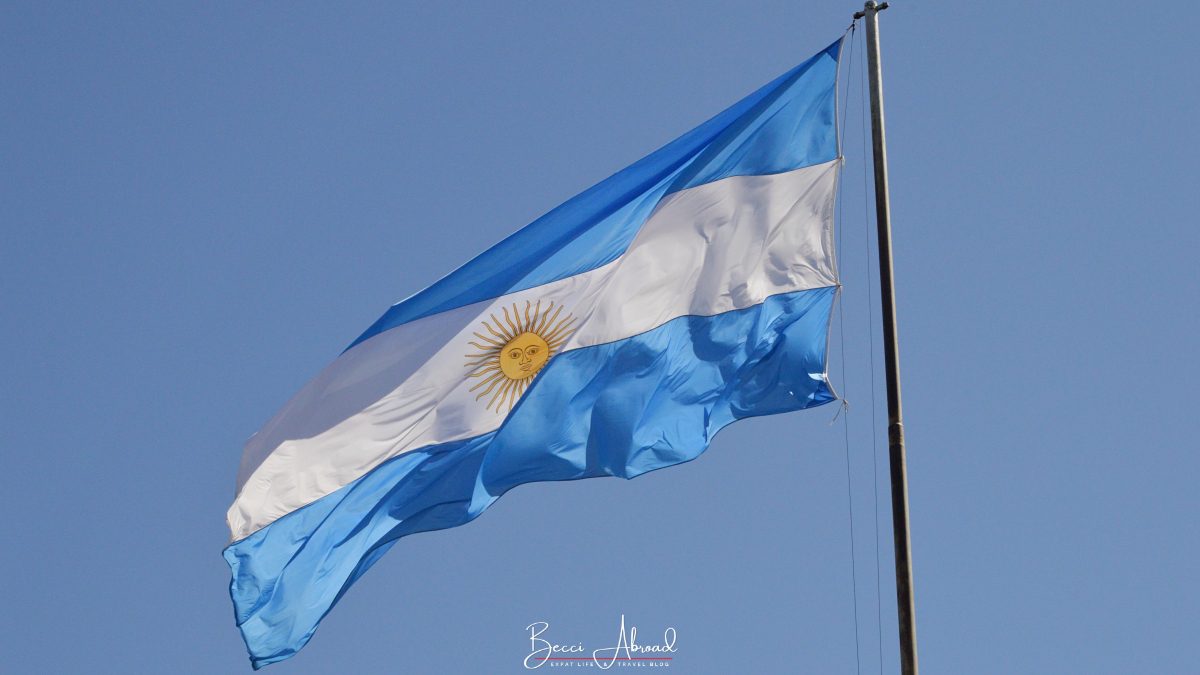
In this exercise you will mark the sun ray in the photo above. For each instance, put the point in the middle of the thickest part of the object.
(513, 395)
(484, 378)
(560, 325)
(490, 379)
(497, 382)
(488, 371)
(541, 319)
(498, 399)
(536, 313)
(487, 340)
(488, 391)
(493, 331)
(550, 318)
(511, 324)
(559, 331)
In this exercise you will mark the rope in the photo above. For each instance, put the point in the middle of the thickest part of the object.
(845, 405)
(871, 344)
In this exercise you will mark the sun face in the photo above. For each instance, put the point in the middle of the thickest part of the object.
(515, 350)
(524, 356)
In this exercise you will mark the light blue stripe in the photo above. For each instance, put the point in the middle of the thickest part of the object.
(785, 125)
(618, 409)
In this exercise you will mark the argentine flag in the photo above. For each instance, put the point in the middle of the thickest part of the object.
(612, 336)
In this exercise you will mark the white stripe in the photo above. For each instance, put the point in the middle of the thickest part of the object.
(705, 250)
(719, 247)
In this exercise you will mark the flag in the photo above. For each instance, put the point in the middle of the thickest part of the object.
(612, 336)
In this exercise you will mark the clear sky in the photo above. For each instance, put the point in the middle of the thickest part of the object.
(201, 205)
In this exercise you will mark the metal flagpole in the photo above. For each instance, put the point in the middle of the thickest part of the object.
(905, 609)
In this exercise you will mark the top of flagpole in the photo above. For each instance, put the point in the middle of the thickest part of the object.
(870, 5)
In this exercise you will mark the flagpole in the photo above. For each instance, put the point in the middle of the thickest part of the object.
(905, 606)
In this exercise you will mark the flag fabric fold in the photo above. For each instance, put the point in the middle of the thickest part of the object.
(613, 336)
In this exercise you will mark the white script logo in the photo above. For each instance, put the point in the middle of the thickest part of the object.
(627, 649)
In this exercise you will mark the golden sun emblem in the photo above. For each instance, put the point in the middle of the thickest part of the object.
(517, 349)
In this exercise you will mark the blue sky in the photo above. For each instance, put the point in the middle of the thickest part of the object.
(203, 204)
